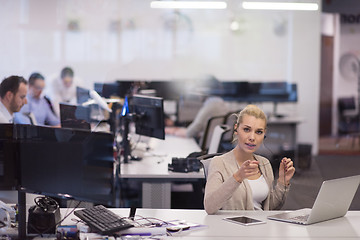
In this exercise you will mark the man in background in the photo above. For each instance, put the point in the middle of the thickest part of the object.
(13, 92)
(38, 109)
(12, 97)
(63, 89)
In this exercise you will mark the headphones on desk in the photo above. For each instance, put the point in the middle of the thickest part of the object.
(46, 203)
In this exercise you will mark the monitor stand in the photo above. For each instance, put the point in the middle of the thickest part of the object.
(275, 114)
(129, 117)
(21, 215)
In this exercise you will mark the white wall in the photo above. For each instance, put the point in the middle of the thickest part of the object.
(123, 39)
(347, 38)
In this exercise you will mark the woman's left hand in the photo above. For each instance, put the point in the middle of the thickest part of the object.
(286, 171)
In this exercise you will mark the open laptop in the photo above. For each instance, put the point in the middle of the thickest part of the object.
(74, 116)
(332, 201)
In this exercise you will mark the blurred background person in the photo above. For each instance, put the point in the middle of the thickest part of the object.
(213, 106)
(13, 92)
(63, 89)
(38, 109)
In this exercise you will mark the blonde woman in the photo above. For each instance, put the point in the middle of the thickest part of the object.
(242, 180)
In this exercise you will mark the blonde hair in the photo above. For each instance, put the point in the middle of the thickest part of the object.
(250, 110)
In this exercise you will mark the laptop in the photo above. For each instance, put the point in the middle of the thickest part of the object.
(332, 201)
(74, 116)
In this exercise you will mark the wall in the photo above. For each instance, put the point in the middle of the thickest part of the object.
(107, 40)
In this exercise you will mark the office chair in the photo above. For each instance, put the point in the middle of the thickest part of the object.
(206, 138)
(205, 160)
(216, 139)
(348, 119)
(227, 140)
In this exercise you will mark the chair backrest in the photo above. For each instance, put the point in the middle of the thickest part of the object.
(206, 160)
(217, 136)
(348, 115)
(211, 124)
(230, 120)
(346, 103)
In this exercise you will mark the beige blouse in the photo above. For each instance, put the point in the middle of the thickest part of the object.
(222, 191)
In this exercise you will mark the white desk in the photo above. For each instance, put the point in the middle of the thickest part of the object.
(341, 228)
(153, 172)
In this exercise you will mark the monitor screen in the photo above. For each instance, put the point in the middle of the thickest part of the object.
(82, 95)
(66, 163)
(149, 112)
(118, 88)
(75, 116)
(8, 152)
(168, 90)
(276, 92)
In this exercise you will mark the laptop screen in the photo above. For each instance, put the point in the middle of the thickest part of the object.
(75, 116)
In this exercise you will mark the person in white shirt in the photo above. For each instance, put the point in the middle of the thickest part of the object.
(63, 89)
(13, 92)
(12, 97)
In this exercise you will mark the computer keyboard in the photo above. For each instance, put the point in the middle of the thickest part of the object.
(102, 220)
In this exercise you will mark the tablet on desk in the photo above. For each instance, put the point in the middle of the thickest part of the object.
(243, 220)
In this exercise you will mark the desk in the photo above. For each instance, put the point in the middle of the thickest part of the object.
(152, 170)
(341, 228)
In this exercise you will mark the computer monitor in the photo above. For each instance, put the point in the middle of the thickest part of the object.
(66, 163)
(118, 88)
(75, 116)
(57, 162)
(148, 115)
(149, 112)
(82, 95)
(168, 90)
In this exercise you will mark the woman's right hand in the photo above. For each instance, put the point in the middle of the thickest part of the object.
(247, 169)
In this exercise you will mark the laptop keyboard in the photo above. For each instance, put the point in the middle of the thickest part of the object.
(301, 218)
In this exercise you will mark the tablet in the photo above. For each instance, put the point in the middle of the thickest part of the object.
(243, 220)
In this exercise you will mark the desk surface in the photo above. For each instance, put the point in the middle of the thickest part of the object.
(341, 228)
(155, 161)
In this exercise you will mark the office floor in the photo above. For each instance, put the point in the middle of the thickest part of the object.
(346, 145)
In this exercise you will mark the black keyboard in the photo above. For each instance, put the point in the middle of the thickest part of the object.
(102, 220)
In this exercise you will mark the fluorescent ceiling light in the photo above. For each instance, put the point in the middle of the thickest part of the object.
(188, 4)
(281, 6)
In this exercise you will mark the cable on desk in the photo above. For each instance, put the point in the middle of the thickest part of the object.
(159, 222)
(272, 154)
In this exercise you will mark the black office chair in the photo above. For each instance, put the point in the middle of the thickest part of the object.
(348, 123)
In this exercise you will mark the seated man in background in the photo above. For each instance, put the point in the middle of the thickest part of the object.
(38, 109)
(12, 97)
(212, 107)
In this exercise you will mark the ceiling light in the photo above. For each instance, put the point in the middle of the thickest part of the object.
(188, 4)
(281, 6)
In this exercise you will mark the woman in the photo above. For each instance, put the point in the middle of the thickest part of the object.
(242, 180)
